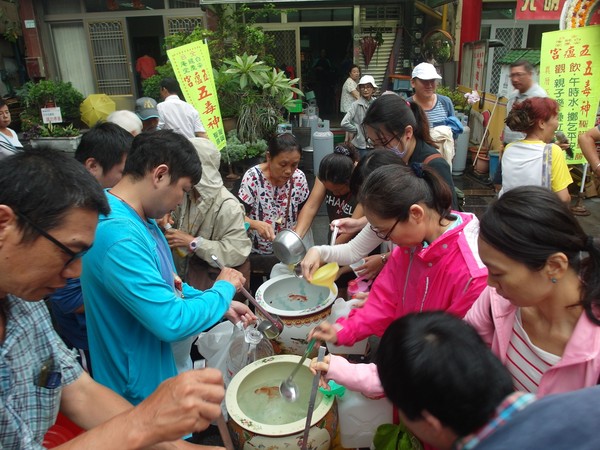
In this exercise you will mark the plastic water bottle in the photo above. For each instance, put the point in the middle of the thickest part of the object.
(341, 308)
(359, 418)
(245, 349)
(181, 251)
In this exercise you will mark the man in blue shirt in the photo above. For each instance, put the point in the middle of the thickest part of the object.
(102, 151)
(136, 306)
(49, 206)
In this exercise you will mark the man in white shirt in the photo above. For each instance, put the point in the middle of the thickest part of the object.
(521, 77)
(177, 115)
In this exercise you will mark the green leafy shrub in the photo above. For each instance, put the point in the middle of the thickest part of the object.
(235, 150)
(458, 98)
(37, 95)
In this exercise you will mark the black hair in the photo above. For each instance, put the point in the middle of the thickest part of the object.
(394, 114)
(373, 160)
(337, 167)
(283, 142)
(391, 190)
(107, 143)
(530, 223)
(2, 103)
(171, 85)
(44, 185)
(523, 62)
(353, 66)
(437, 363)
(149, 150)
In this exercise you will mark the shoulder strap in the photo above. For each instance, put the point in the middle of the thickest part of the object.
(432, 157)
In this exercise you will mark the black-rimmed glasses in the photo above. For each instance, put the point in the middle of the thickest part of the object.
(74, 256)
(381, 144)
(385, 236)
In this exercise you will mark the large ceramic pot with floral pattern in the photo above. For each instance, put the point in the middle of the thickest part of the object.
(259, 418)
(300, 305)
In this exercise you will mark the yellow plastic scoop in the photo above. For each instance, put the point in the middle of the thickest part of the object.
(325, 275)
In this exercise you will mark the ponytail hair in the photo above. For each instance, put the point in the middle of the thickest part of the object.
(373, 160)
(391, 190)
(530, 223)
(393, 114)
(337, 167)
(525, 115)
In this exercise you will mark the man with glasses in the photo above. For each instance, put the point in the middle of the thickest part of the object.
(521, 77)
(49, 206)
(352, 121)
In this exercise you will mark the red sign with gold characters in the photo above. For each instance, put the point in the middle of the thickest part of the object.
(539, 9)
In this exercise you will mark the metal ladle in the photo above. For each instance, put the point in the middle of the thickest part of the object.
(288, 388)
(270, 328)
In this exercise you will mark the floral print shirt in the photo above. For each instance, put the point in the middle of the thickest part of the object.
(269, 203)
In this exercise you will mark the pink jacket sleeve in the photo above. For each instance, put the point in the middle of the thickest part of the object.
(361, 378)
(379, 310)
(480, 316)
(462, 304)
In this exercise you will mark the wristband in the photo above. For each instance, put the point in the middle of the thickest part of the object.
(197, 242)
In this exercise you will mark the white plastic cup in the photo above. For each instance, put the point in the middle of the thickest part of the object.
(356, 265)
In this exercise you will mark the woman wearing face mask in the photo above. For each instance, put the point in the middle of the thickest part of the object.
(403, 128)
(533, 161)
(434, 267)
(540, 313)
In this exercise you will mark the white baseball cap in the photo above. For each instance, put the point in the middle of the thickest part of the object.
(425, 71)
(367, 79)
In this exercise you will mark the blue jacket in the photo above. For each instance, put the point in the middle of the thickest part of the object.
(133, 313)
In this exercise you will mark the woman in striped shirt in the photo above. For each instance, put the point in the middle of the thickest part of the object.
(541, 310)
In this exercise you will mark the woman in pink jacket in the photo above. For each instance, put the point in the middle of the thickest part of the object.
(435, 267)
(541, 311)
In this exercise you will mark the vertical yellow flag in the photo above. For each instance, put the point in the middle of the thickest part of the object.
(570, 74)
(191, 63)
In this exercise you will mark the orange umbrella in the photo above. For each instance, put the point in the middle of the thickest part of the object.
(96, 107)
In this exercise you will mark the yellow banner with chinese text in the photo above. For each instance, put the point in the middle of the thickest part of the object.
(193, 69)
(570, 74)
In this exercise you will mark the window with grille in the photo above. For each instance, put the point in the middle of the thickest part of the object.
(382, 13)
(183, 24)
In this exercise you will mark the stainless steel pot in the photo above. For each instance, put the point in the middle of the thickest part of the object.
(288, 247)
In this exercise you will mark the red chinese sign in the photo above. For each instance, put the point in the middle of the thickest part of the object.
(193, 70)
(569, 72)
(478, 81)
(539, 9)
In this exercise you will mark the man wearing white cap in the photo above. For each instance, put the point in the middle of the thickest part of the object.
(437, 107)
(352, 121)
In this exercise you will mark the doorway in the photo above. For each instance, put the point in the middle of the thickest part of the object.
(146, 37)
(326, 55)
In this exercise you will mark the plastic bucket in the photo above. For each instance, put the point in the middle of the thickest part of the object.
(494, 160)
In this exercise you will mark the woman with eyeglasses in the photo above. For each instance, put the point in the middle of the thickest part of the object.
(9, 142)
(541, 310)
(360, 245)
(434, 267)
(403, 128)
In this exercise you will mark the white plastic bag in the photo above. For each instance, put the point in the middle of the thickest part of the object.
(214, 345)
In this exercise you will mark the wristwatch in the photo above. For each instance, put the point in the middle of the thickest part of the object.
(384, 257)
(195, 244)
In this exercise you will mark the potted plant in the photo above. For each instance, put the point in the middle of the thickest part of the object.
(242, 155)
(65, 138)
(45, 94)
